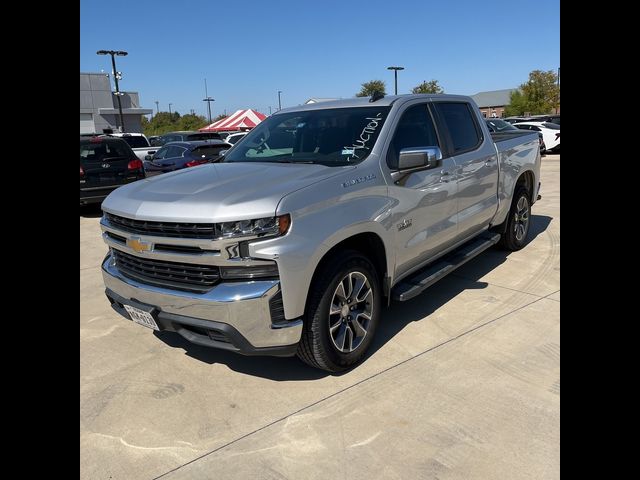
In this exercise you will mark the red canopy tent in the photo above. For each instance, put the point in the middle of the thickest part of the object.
(241, 120)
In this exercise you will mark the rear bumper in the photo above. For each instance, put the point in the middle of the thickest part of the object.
(99, 193)
(233, 316)
(95, 195)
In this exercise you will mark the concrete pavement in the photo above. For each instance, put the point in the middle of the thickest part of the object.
(462, 382)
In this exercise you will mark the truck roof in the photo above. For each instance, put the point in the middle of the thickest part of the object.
(365, 101)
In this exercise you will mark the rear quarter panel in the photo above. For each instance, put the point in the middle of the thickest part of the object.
(515, 157)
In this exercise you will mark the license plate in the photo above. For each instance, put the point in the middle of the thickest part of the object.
(143, 318)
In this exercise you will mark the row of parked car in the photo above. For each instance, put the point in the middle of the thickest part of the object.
(547, 126)
(109, 161)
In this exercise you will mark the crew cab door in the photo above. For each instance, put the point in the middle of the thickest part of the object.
(424, 218)
(476, 162)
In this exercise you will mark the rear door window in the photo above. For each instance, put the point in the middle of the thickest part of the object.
(160, 154)
(461, 124)
(174, 151)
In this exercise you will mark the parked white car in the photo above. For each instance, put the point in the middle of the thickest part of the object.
(232, 138)
(550, 133)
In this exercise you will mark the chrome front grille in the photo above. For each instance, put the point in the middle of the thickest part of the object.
(163, 229)
(181, 276)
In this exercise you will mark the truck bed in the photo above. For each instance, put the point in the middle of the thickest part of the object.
(508, 135)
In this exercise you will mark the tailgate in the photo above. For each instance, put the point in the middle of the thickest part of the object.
(104, 164)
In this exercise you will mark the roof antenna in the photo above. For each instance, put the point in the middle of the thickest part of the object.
(375, 96)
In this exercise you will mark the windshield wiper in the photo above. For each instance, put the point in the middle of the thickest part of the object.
(288, 160)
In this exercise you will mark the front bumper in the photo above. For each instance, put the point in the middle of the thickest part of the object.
(232, 316)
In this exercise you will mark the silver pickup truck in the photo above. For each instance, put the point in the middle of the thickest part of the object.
(319, 217)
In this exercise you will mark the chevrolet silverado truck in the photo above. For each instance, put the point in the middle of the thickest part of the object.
(321, 216)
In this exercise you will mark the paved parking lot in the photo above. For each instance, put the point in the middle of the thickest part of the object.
(463, 382)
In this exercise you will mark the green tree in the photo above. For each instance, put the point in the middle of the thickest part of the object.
(428, 87)
(192, 122)
(161, 123)
(373, 86)
(219, 117)
(539, 95)
(517, 104)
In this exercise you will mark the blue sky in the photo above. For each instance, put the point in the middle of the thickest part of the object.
(248, 50)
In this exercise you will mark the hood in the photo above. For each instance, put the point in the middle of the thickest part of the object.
(218, 192)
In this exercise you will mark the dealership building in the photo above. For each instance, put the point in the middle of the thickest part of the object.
(99, 106)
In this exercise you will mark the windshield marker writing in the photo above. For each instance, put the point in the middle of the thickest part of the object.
(361, 143)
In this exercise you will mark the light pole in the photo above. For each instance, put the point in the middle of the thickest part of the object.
(116, 75)
(395, 74)
(207, 99)
(170, 109)
(279, 103)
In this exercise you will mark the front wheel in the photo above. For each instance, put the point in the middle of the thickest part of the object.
(342, 313)
(518, 221)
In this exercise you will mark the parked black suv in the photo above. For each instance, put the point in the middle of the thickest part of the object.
(105, 164)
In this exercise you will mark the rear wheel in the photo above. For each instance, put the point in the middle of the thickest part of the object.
(518, 221)
(343, 311)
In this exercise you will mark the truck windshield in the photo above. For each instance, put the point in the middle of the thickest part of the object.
(333, 137)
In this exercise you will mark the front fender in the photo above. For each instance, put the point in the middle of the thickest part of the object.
(315, 230)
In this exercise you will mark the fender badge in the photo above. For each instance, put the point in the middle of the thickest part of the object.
(406, 223)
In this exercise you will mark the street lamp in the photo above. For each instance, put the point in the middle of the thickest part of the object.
(395, 74)
(117, 77)
(279, 103)
(208, 99)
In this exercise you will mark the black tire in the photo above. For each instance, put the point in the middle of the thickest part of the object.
(518, 221)
(318, 346)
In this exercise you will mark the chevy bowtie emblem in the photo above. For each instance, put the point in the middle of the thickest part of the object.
(138, 245)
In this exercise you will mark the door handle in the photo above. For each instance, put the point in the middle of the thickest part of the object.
(443, 175)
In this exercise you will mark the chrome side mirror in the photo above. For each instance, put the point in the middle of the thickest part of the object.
(419, 158)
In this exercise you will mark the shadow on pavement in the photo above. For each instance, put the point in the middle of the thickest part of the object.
(91, 211)
(394, 319)
(273, 368)
(539, 224)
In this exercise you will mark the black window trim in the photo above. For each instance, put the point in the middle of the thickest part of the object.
(428, 105)
(441, 121)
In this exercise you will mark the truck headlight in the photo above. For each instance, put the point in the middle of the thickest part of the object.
(260, 226)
